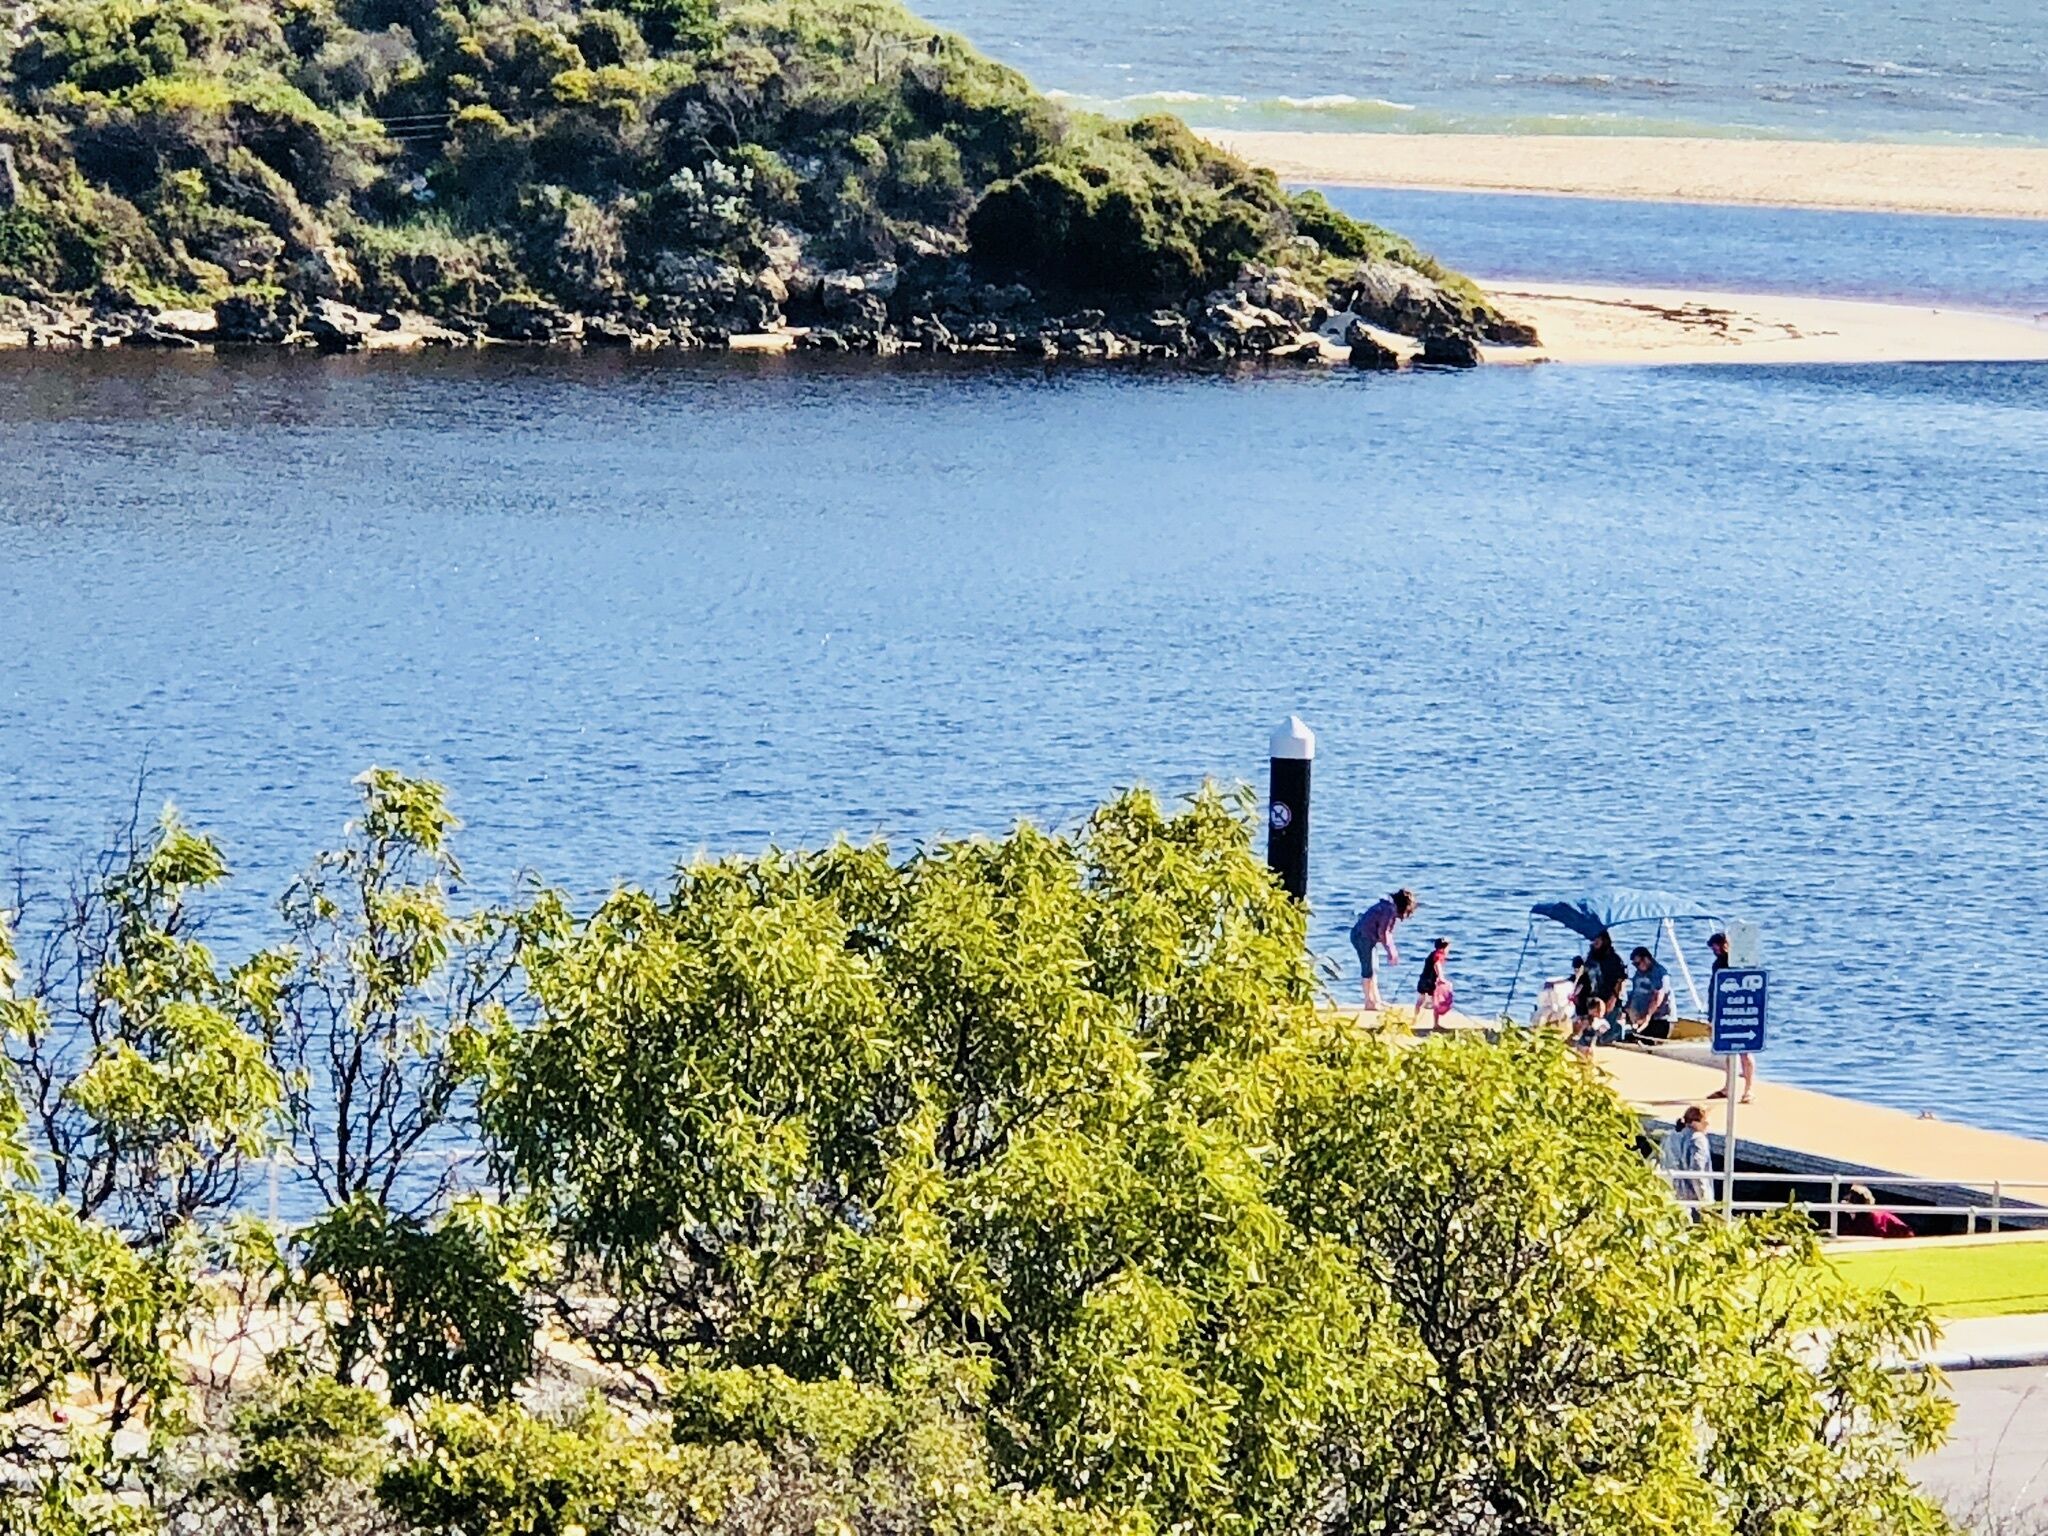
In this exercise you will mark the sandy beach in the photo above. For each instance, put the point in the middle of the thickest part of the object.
(1598, 323)
(1589, 323)
(1989, 182)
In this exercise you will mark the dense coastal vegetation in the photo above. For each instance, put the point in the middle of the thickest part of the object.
(676, 172)
(1012, 1187)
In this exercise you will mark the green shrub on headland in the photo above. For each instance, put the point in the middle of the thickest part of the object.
(1015, 1187)
(679, 167)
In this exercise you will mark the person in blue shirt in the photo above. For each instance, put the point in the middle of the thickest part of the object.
(1649, 996)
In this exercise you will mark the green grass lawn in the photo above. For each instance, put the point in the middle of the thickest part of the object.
(1991, 1279)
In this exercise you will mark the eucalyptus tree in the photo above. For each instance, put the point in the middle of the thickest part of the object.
(1055, 1120)
(387, 985)
(1012, 1184)
(144, 1080)
(83, 1312)
(392, 984)
(143, 1064)
(835, 1113)
(1571, 1354)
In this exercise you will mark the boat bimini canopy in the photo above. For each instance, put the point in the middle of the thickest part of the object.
(1594, 913)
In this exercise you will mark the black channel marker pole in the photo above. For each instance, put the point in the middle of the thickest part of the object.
(1294, 750)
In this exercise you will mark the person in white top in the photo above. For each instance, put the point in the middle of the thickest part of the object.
(1688, 1152)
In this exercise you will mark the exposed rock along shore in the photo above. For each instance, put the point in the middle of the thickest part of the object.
(836, 175)
(1378, 315)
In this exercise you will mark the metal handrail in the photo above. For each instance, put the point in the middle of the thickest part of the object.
(1908, 1180)
(1835, 1206)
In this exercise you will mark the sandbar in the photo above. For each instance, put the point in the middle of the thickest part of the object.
(1988, 181)
(1593, 323)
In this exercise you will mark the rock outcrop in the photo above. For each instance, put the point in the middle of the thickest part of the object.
(532, 320)
(1446, 349)
(161, 340)
(932, 301)
(251, 319)
(335, 327)
(1410, 303)
(1367, 351)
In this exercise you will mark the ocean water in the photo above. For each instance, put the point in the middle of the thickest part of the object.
(1842, 69)
(1769, 636)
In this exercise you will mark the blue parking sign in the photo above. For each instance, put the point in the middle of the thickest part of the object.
(1735, 1005)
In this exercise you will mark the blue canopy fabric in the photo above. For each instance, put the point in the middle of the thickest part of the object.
(1588, 915)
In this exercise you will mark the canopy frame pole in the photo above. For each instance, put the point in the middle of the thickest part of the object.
(1528, 937)
(1678, 953)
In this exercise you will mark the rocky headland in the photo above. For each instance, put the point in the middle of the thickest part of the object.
(818, 174)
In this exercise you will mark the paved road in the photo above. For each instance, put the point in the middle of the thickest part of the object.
(1993, 1473)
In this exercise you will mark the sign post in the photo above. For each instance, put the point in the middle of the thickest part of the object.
(1294, 750)
(1735, 1006)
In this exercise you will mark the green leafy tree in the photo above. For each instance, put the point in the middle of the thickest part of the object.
(382, 1017)
(1145, 209)
(835, 1114)
(745, 1453)
(434, 1308)
(280, 1455)
(143, 1065)
(1571, 1352)
(511, 1473)
(83, 1317)
(1060, 1111)
(847, 1457)
(80, 1313)
(296, 1440)
(387, 989)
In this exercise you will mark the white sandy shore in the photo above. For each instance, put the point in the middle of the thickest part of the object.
(1589, 323)
(1594, 323)
(2001, 182)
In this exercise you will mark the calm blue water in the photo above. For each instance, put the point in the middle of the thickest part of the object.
(1769, 635)
(1837, 69)
(1973, 263)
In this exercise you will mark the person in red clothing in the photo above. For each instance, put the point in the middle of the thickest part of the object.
(1432, 987)
(1870, 1221)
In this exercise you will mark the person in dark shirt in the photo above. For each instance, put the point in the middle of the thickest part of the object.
(1609, 975)
(1718, 943)
(1430, 983)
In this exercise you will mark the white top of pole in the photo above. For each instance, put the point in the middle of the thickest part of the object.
(1294, 740)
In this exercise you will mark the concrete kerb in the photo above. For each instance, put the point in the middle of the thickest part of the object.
(2015, 1342)
(1949, 1362)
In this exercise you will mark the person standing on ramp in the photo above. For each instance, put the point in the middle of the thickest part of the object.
(1373, 932)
